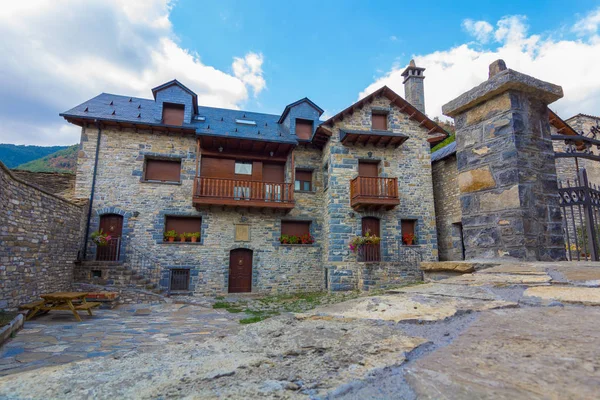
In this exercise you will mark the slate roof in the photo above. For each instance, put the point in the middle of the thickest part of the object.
(218, 121)
(444, 152)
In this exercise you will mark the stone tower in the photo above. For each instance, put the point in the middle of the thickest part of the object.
(413, 86)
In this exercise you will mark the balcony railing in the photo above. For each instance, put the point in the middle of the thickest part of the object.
(243, 193)
(366, 191)
(110, 251)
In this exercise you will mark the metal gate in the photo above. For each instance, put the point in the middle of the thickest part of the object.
(580, 205)
(180, 279)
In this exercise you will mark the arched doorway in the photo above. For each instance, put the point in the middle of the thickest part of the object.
(371, 252)
(240, 271)
(111, 224)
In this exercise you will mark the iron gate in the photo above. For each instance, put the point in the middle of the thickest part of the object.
(180, 279)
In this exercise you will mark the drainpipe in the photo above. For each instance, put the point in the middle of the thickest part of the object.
(89, 216)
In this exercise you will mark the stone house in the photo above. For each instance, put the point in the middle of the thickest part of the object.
(446, 187)
(274, 200)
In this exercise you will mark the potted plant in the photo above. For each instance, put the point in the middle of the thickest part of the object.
(284, 239)
(359, 241)
(100, 238)
(170, 235)
(307, 239)
(182, 237)
(194, 236)
(408, 239)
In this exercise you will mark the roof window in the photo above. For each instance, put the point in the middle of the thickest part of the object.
(199, 118)
(245, 122)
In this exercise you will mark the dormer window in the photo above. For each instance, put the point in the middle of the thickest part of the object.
(304, 129)
(173, 114)
(379, 121)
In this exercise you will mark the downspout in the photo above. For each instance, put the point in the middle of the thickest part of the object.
(89, 216)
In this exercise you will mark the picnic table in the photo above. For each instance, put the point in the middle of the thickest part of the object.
(66, 301)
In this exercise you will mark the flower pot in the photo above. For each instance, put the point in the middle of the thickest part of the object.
(171, 239)
(194, 239)
(182, 238)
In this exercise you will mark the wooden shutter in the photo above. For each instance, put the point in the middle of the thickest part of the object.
(379, 122)
(304, 129)
(173, 114)
(371, 225)
(305, 176)
(367, 169)
(163, 170)
(183, 224)
(296, 228)
(217, 168)
(273, 173)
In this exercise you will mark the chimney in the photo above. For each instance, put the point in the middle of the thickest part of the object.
(413, 86)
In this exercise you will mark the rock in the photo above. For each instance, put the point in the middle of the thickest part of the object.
(566, 294)
(504, 200)
(529, 353)
(455, 266)
(476, 179)
(496, 67)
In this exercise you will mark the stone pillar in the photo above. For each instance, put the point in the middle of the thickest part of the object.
(506, 170)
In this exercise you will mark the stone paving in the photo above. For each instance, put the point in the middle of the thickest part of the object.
(531, 335)
(56, 338)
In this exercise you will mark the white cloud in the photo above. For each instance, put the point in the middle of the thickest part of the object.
(393, 38)
(480, 30)
(57, 54)
(570, 63)
(589, 24)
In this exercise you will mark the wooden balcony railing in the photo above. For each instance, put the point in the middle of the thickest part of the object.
(243, 193)
(368, 191)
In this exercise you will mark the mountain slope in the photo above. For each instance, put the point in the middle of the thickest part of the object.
(64, 160)
(12, 155)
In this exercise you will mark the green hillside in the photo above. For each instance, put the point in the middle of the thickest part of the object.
(12, 155)
(64, 160)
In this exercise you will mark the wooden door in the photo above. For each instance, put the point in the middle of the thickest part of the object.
(240, 271)
(273, 174)
(111, 224)
(369, 169)
(371, 252)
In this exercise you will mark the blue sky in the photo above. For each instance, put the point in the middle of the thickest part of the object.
(262, 55)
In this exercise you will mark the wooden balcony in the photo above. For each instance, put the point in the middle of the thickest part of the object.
(242, 193)
(374, 193)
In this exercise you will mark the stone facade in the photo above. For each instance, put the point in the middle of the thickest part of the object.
(144, 205)
(410, 163)
(40, 236)
(448, 215)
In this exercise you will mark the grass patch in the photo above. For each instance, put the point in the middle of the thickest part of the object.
(251, 320)
(221, 304)
(230, 307)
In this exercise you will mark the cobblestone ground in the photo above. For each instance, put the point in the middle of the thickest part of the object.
(514, 331)
(56, 338)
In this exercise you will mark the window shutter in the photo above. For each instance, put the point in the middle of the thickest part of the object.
(163, 170)
(183, 224)
(295, 228)
(305, 176)
(304, 129)
(173, 114)
(379, 122)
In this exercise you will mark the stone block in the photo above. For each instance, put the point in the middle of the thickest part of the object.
(475, 180)
(503, 200)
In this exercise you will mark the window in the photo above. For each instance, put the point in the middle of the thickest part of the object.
(245, 122)
(325, 176)
(295, 228)
(243, 168)
(379, 122)
(173, 114)
(304, 129)
(409, 231)
(180, 279)
(183, 224)
(162, 170)
(303, 181)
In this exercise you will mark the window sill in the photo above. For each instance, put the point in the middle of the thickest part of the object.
(297, 245)
(160, 182)
(182, 243)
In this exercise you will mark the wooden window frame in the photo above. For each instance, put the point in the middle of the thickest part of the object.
(297, 222)
(190, 217)
(245, 163)
(301, 185)
(413, 222)
(385, 118)
(158, 158)
(173, 106)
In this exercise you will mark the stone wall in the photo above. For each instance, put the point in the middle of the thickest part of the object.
(40, 236)
(447, 209)
(410, 163)
(144, 205)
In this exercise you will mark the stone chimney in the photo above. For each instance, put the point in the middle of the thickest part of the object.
(413, 86)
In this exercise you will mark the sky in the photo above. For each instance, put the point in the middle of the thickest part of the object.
(262, 55)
